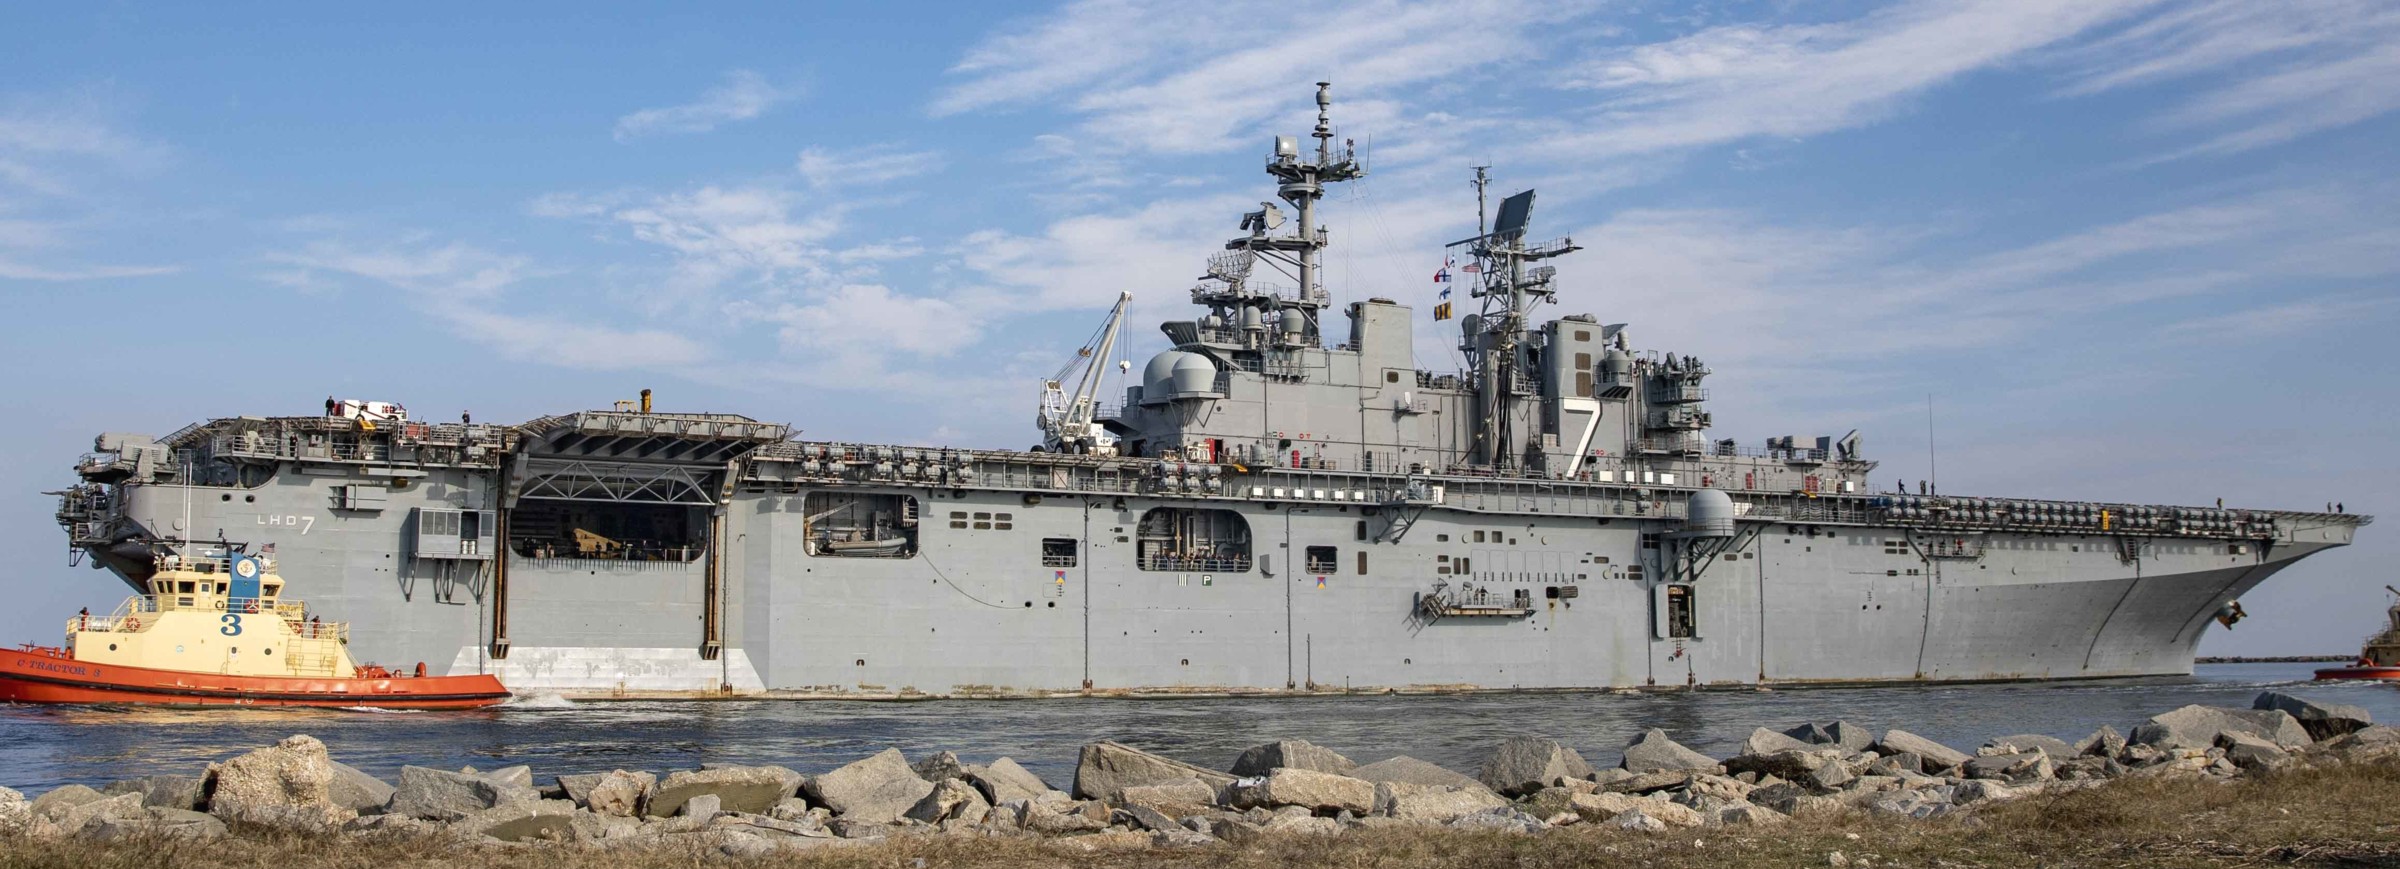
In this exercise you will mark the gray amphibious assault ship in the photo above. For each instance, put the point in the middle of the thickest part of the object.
(1263, 512)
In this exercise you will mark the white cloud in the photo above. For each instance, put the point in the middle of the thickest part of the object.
(22, 272)
(50, 152)
(1737, 82)
(2278, 319)
(464, 287)
(743, 96)
(865, 166)
(2264, 73)
(1198, 77)
(756, 233)
(872, 322)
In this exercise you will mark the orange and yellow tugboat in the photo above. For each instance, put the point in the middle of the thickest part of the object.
(217, 631)
(2381, 657)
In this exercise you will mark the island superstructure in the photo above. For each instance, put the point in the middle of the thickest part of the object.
(1276, 506)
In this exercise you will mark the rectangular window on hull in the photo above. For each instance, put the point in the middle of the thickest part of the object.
(1193, 540)
(1322, 559)
(1362, 562)
(602, 531)
(860, 525)
(1681, 619)
(1058, 552)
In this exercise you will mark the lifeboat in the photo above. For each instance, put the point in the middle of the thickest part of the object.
(2380, 659)
(217, 631)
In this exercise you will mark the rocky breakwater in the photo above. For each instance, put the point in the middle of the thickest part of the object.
(1126, 798)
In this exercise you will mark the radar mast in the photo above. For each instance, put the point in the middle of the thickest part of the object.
(1495, 340)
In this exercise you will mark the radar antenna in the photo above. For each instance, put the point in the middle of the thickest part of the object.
(1495, 340)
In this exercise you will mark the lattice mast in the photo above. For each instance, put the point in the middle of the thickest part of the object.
(1495, 340)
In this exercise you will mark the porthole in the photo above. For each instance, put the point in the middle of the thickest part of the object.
(113, 647)
(250, 499)
(225, 497)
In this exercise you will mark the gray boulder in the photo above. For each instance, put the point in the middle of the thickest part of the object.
(1181, 798)
(1917, 803)
(538, 820)
(950, 799)
(1936, 755)
(57, 799)
(2323, 721)
(791, 778)
(1746, 814)
(1408, 770)
(1790, 765)
(615, 793)
(2056, 748)
(1146, 818)
(2018, 769)
(1521, 765)
(15, 812)
(1004, 780)
(1653, 751)
(1763, 742)
(752, 789)
(1900, 764)
(1642, 783)
(1291, 754)
(2252, 754)
(1106, 769)
(876, 790)
(157, 822)
(1505, 819)
(519, 774)
(1424, 804)
(357, 791)
(287, 784)
(1974, 791)
(441, 795)
(2373, 743)
(2197, 727)
(165, 791)
(938, 767)
(1840, 734)
(2104, 742)
(78, 817)
(1320, 792)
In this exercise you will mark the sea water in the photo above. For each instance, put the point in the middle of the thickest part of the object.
(44, 747)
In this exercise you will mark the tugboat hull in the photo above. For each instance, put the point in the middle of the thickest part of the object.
(2384, 674)
(38, 675)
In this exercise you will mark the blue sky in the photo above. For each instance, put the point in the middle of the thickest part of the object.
(2134, 250)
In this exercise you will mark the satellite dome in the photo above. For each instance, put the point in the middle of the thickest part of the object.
(1710, 514)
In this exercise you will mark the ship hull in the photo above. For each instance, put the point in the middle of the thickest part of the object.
(46, 677)
(2373, 674)
(986, 612)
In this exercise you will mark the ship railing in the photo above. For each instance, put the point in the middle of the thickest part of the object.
(1197, 564)
(136, 613)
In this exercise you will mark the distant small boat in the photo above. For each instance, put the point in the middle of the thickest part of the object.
(2380, 659)
(217, 631)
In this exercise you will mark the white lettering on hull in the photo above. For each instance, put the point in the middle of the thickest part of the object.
(288, 520)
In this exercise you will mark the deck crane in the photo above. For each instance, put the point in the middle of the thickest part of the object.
(1069, 422)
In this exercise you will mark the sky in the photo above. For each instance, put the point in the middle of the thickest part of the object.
(2123, 250)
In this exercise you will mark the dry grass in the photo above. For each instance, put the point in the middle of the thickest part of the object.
(2332, 816)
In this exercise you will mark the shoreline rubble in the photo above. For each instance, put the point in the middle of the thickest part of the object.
(1126, 798)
